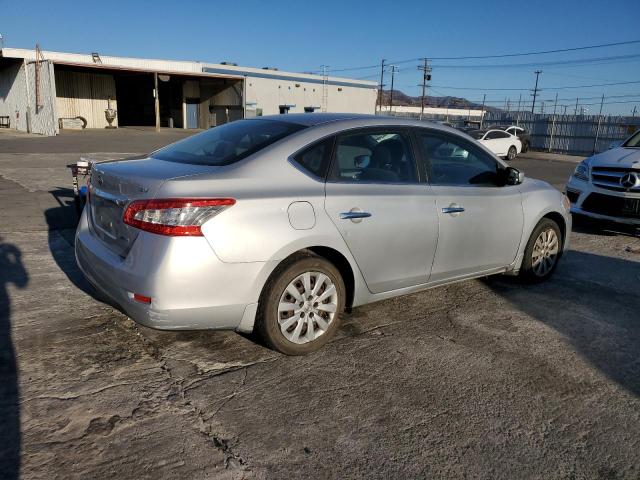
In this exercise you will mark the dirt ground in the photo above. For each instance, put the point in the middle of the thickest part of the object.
(483, 379)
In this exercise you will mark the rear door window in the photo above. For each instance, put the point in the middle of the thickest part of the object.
(227, 143)
(376, 156)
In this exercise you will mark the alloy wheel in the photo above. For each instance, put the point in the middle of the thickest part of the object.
(307, 307)
(545, 252)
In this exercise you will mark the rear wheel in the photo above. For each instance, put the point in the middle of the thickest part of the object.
(542, 252)
(511, 154)
(301, 305)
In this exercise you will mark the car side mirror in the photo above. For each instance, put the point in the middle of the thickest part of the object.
(513, 176)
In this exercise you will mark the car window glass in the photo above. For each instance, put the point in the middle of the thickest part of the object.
(315, 159)
(452, 161)
(227, 143)
(373, 157)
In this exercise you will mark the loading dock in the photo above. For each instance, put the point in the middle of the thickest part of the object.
(184, 100)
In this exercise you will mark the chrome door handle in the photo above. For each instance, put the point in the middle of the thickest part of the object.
(453, 209)
(354, 215)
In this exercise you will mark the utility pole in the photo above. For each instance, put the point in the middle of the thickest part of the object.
(484, 96)
(576, 110)
(633, 114)
(325, 87)
(156, 100)
(394, 69)
(518, 117)
(595, 140)
(426, 76)
(535, 90)
(379, 101)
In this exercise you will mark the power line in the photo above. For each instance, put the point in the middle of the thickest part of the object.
(547, 88)
(505, 55)
(575, 62)
(541, 52)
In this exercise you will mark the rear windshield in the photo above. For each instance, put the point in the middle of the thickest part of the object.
(227, 143)
(477, 134)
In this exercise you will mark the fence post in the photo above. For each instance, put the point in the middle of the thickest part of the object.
(595, 140)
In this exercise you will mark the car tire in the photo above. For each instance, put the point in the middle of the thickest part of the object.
(314, 314)
(512, 152)
(542, 253)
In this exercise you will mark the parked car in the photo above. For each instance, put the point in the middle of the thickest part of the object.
(606, 186)
(519, 132)
(280, 224)
(501, 143)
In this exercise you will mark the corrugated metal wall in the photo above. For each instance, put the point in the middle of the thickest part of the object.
(80, 94)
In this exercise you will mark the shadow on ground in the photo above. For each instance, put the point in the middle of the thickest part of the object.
(62, 221)
(12, 272)
(588, 304)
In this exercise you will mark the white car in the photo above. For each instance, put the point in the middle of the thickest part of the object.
(501, 143)
(606, 186)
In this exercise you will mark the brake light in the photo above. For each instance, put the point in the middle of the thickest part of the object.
(174, 216)
(141, 298)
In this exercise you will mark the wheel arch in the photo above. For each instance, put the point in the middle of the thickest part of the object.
(559, 219)
(335, 257)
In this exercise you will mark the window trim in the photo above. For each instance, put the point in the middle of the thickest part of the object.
(402, 130)
(475, 149)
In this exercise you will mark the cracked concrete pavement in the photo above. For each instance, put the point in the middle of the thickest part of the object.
(483, 379)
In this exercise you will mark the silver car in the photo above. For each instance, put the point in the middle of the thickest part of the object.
(280, 223)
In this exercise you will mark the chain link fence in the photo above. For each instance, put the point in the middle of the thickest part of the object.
(569, 134)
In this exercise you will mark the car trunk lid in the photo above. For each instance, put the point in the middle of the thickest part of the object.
(115, 184)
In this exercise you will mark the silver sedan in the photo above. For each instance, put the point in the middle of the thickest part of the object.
(280, 223)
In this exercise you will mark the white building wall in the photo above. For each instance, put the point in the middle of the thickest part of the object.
(13, 95)
(44, 119)
(268, 94)
(83, 94)
(18, 98)
(453, 112)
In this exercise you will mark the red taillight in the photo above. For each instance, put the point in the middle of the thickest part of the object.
(174, 216)
(141, 298)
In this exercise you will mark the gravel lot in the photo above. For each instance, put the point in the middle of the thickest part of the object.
(484, 379)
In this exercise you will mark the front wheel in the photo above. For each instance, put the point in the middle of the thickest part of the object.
(301, 305)
(511, 154)
(542, 252)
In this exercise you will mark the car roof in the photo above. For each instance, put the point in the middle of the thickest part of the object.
(354, 120)
(312, 119)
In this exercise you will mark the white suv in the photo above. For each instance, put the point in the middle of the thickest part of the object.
(606, 186)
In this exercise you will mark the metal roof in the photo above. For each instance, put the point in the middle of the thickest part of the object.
(177, 67)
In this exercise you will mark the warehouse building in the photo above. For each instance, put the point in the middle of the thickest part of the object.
(42, 92)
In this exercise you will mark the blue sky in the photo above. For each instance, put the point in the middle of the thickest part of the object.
(303, 35)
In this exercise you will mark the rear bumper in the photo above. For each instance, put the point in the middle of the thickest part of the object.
(190, 288)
